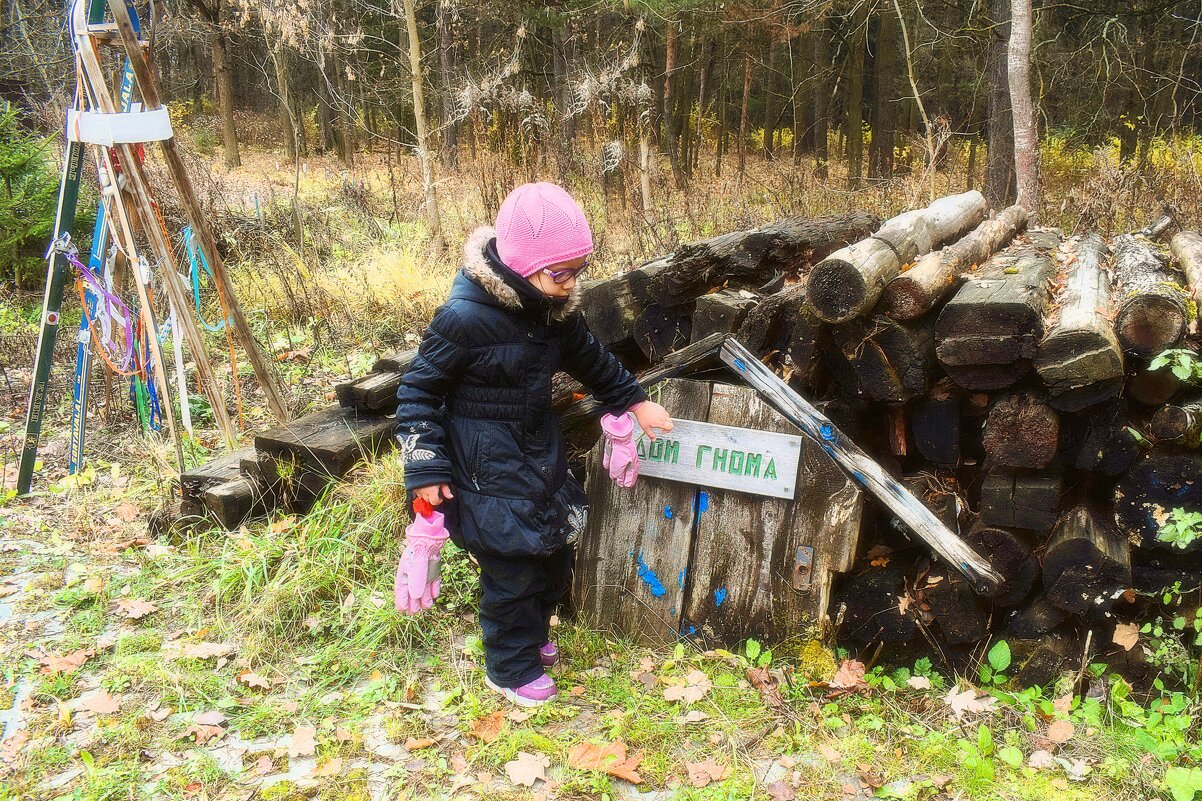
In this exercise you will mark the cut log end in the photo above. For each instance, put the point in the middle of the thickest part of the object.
(837, 291)
(1155, 324)
(906, 299)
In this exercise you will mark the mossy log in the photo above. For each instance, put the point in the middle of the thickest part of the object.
(1154, 307)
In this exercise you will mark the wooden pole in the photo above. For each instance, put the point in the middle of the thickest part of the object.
(148, 85)
(890, 492)
(133, 168)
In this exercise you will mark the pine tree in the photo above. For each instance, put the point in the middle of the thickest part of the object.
(28, 195)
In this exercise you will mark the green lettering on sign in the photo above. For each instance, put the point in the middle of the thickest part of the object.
(701, 449)
(640, 449)
(736, 463)
(752, 466)
(720, 459)
(770, 470)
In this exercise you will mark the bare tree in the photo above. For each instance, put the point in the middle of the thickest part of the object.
(423, 133)
(211, 14)
(1026, 128)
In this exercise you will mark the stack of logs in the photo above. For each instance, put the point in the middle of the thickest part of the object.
(1003, 374)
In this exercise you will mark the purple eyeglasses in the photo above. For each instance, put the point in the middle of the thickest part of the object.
(563, 276)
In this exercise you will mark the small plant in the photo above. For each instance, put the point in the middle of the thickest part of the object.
(998, 661)
(757, 656)
(1183, 363)
(1181, 529)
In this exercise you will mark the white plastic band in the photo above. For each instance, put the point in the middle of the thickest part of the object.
(127, 127)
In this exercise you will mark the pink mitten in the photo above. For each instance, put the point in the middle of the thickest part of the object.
(621, 457)
(417, 576)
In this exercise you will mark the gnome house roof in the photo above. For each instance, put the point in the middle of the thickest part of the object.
(982, 385)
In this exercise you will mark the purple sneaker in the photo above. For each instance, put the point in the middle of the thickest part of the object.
(548, 654)
(531, 693)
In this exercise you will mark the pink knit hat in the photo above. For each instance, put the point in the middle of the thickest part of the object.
(540, 225)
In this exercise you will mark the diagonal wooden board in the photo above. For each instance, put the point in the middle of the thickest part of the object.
(633, 553)
(763, 567)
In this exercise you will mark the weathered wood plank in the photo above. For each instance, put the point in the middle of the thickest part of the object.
(1080, 360)
(397, 362)
(721, 312)
(868, 473)
(1021, 499)
(330, 441)
(374, 392)
(987, 334)
(226, 467)
(1087, 562)
(635, 586)
(763, 567)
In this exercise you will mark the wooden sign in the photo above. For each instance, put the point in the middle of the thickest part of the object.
(724, 457)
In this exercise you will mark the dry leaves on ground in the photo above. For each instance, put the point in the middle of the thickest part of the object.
(692, 688)
(303, 741)
(779, 791)
(488, 728)
(418, 743)
(527, 768)
(702, 773)
(52, 665)
(967, 702)
(609, 758)
(1060, 731)
(331, 767)
(136, 608)
(1126, 635)
(918, 683)
(849, 676)
(253, 680)
(98, 701)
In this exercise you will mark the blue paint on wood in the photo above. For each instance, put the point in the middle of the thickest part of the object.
(668, 514)
(740, 365)
(827, 432)
(680, 578)
(650, 579)
(701, 503)
(719, 596)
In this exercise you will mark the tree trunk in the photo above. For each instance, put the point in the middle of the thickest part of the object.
(225, 97)
(429, 193)
(884, 118)
(770, 97)
(853, 119)
(1026, 125)
(822, 96)
(743, 113)
(672, 146)
(446, 69)
(279, 60)
(999, 164)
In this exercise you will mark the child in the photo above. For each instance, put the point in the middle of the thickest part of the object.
(476, 429)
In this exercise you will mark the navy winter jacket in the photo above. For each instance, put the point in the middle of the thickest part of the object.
(474, 408)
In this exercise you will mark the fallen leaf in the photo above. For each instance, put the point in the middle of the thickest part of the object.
(331, 767)
(1063, 704)
(1041, 760)
(1060, 731)
(692, 716)
(203, 733)
(527, 768)
(253, 680)
(779, 791)
(518, 715)
(487, 729)
(968, 702)
(1076, 770)
(136, 608)
(210, 718)
(53, 665)
(830, 754)
(263, 766)
(701, 774)
(918, 683)
(192, 788)
(610, 758)
(415, 744)
(99, 702)
(849, 676)
(696, 686)
(283, 524)
(94, 585)
(303, 741)
(869, 776)
(1126, 635)
(205, 650)
(126, 511)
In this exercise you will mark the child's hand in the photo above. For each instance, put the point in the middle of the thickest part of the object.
(434, 494)
(650, 416)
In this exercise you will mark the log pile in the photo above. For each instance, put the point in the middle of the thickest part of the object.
(1001, 374)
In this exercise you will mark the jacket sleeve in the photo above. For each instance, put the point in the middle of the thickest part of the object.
(585, 359)
(421, 403)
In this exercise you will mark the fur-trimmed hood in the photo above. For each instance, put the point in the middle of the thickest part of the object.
(477, 268)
